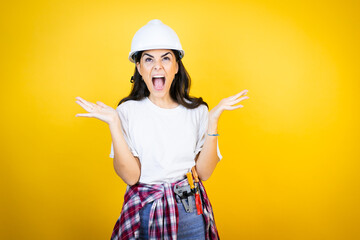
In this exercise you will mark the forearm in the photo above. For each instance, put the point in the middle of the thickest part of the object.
(125, 164)
(208, 157)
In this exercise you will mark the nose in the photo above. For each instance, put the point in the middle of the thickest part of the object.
(158, 65)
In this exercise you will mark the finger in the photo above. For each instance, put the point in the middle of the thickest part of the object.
(84, 115)
(88, 107)
(233, 107)
(84, 102)
(84, 106)
(236, 107)
(240, 94)
(245, 91)
(101, 104)
(238, 100)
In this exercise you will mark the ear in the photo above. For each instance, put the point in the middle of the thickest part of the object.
(138, 67)
(177, 67)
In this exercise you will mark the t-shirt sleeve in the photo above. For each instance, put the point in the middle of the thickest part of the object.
(202, 131)
(123, 114)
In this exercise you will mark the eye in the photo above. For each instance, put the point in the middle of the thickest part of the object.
(166, 59)
(148, 59)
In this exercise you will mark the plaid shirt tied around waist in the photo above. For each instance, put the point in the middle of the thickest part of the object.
(164, 216)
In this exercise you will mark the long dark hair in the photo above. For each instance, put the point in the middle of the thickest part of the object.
(179, 89)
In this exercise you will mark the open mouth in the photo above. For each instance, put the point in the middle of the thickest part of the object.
(158, 82)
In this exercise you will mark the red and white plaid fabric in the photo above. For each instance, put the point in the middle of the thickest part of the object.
(164, 216)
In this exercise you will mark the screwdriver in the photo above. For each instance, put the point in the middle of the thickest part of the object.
(197, 195)
(190, 180)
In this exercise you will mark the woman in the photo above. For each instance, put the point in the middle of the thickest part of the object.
(162, 139)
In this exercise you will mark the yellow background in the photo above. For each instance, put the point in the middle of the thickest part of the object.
(290, 167)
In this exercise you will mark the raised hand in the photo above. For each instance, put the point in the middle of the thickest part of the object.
(99, 110)
(227, 104)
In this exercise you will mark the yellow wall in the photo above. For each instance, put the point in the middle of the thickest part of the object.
(290, 168)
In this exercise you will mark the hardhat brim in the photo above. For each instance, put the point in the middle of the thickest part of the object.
(133, 53)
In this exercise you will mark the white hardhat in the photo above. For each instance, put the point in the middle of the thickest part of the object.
(155, 35)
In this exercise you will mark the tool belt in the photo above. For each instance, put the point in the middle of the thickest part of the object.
(185, 192)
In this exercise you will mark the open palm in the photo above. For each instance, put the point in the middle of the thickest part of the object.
(228, 104)
(99, 110)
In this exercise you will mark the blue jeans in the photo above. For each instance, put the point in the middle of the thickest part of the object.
(191, 225)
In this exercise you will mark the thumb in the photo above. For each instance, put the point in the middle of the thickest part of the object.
(84, 115)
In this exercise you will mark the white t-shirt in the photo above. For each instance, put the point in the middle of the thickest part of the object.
(165, 140)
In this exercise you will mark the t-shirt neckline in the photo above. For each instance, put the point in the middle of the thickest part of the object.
(160, 109)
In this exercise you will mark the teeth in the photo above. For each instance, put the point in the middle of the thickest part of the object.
(158, 76)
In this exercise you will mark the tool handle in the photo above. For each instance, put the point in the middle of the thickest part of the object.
(198, 204)
(190, 180)
(196, 177)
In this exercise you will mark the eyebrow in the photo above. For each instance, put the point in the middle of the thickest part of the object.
(165, 54)
(153, 56)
